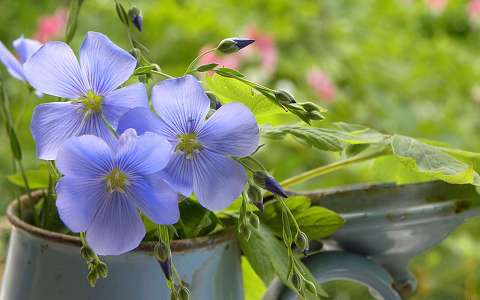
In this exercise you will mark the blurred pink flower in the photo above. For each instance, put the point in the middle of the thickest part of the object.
(51, 26)
(436, 6)
(474, 11)
(230, 61)
(265, 46)
(321, 84)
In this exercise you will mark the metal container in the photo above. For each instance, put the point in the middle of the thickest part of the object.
(45, 265)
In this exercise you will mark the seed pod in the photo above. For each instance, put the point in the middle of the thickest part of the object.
(254, 193)
(92, 277)
(310, 106)
(301, 241)
(102, 269)
(310, 286)
(284, 97)
(184, 293)
(297, 281)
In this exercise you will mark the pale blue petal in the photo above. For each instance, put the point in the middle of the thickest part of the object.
(25, 48)
(143, 120)
(231, 130)
(179, 173)
(54, 70)
(118, 102)
(145, 154)
(78, 200)
(181, 103)
(155, 199)
(11, 63)
(217, 180)
(105, 64)
(85, 156)
(55, 122)
(116, 227)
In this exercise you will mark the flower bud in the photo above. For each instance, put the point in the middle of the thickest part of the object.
(214, 101)
(102, 269)
(267, 182)
(174, 295)
(254, 221)
(135, 16)
(167, 268)
(310, 286)
(92, 277)
(184, 293)
(297, 281)
(244, 231)
(161, 251)
(232, 45)
(255, 195)
(87, 253)
(301, 241)
(315, 115)
(284, 97)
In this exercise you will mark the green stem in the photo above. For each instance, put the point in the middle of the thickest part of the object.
(192, 64)
(162, 74)
(328, 169)
(25, 180)
(112, 130)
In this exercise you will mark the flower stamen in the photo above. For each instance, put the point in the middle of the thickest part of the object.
(188, 143)
(116, 181)
(92, 102)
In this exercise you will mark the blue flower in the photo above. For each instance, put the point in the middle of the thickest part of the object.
(103, 186)
(24, 48)
(90, 85)
(202, 159)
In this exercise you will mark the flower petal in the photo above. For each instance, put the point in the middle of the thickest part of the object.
(55, 122)
(143, 120)
(181, 103)
(116, 228)
(25, 48)
(231, 130)
(78, 200)
(54, 70)
(11, 63)
(178, 173)
(156, 199)
(106, 65)
(145, 154)
(84, 156)
(217, 180)
(118, 102)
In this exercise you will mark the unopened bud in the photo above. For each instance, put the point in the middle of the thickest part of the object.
(254, 193)
(102, 269)
(315, 115)
(184, 293)
(301, 242)
(161, 251)
(87, 253)
(214, 101)
(284, 97)
(135, 16)
(310, 106)
(254, 221)
(92, 277)
(267, 182)
(232, 45)
(297, 281)
(166, 268)
(244, 231)
(135, 52)
(310, 286)
(174, 295)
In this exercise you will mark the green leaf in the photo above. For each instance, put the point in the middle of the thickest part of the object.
(195, 220)
(432, 161)
(37, 179)
(205, 68)
(227, 72)
(317, 222)
(253, 286)
(232, 90)
(268, 257)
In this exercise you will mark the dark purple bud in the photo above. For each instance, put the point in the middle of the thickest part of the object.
(166, 267)
(267, 182)
(232, 45)
(214, 101)
(135, 16)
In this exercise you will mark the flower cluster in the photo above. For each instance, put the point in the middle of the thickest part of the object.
(117, 157)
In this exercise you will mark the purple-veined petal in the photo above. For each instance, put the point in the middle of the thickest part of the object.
(145, 154)
(217, 180)
(156, 199)
(25, 48)
(117, 227)
(118, 102)
(55, 122)
(78, 200)
(106, 65)
(85, 156)
(181, 103)
(143, 120)
(231, 130)
(11, 63)
(179, 173)
(54, 70)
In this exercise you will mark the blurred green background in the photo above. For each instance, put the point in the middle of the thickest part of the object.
(409, 67)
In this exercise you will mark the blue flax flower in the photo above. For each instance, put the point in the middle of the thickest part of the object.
(91, 86)
(103, 187)
(24, 48)
(202, 149)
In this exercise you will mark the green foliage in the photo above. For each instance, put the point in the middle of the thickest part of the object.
(195, 220)
(37, 179)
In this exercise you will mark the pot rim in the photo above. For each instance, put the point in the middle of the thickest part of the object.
(177, 246)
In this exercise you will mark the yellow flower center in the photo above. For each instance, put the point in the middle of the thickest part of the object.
(117, 181)
(92, 101)
(188, 143)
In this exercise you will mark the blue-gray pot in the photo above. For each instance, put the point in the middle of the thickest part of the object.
(45, 265)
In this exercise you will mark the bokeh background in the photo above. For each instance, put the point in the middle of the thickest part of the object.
(399, 66)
